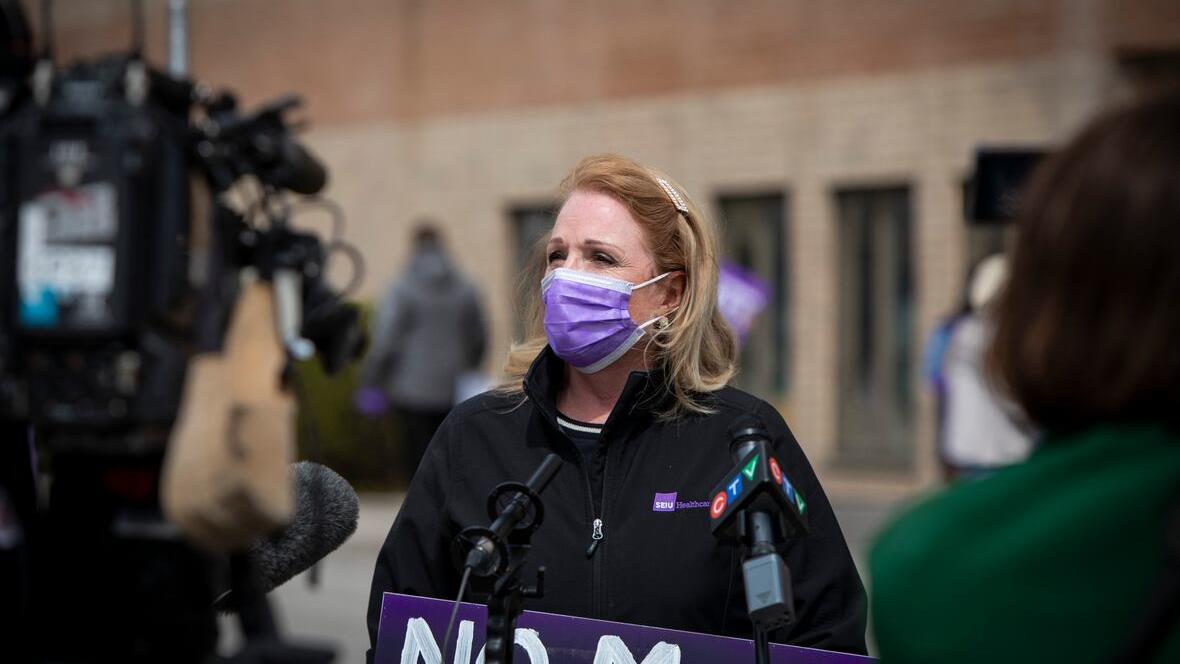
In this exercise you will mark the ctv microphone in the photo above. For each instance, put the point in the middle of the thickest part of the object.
(757, 505)
(756, 482)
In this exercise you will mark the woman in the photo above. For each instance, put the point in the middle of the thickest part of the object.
(625, 378)
(1057, 559)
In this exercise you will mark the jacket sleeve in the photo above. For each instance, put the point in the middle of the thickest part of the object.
(416, 556)
(474, 329)
(384, 339)
(830, 600)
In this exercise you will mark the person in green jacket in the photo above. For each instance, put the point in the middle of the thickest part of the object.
(1058, 559)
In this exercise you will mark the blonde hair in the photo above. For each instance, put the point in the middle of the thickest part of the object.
(697, 350)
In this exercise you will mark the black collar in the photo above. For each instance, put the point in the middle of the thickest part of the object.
(644, 393)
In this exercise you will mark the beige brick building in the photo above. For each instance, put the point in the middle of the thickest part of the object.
(834, 138)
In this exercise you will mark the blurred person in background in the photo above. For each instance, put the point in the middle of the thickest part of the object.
(624, 376)
(979, 428)
(428, 338)
(1072, 556)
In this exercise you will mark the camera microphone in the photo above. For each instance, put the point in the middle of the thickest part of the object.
(326, 510)
(298, 170)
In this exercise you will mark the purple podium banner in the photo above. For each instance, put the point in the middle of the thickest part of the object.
(412, 630)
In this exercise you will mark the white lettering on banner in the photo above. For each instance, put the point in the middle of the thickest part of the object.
(530, 641)
(612, 650)
(463, 644)
(420, 641)
(420, 645)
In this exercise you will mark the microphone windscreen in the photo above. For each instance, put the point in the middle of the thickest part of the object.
(746, 428)
(326, 511)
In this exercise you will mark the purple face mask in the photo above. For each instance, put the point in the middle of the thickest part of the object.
(586, 317)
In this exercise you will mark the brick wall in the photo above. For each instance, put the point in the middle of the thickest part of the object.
(807, 138)
(458, 110)
(366, 60)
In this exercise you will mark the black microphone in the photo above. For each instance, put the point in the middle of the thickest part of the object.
(757, 481)
(326, 510)
(298, 170)
(486, 549)
(757, 505)
(744, 433)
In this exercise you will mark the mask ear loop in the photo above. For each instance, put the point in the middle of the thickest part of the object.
(652, 280)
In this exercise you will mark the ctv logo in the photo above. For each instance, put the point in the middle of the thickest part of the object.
(735, 488)
(717, 508)
(776, 471)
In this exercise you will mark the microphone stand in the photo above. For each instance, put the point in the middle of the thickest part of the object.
(500, 551)
(756, 505)
(504, 607)
(769, 597)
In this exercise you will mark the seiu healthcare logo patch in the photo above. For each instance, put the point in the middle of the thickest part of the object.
(666, 502)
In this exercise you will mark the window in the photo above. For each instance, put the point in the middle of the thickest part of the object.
(1148, 69)
(982, 239)
(754, 237)
(875, 389)
(529, 225)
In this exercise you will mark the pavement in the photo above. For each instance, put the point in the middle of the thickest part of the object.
(334, 612)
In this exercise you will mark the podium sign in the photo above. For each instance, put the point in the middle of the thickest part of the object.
(412, 629)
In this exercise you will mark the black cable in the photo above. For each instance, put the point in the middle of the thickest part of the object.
(454, 611)
(336, 243)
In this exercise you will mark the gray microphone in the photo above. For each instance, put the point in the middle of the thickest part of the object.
(326, 510)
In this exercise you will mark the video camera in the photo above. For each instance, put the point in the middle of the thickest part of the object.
(131, 203)
(107, 282)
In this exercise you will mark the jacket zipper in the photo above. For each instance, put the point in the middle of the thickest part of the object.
(597, 536)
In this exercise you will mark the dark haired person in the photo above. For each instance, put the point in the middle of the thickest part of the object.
(1062, 558)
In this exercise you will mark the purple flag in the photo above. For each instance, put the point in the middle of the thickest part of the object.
(741, 296)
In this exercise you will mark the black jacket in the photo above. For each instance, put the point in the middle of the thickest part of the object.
(651, 567)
